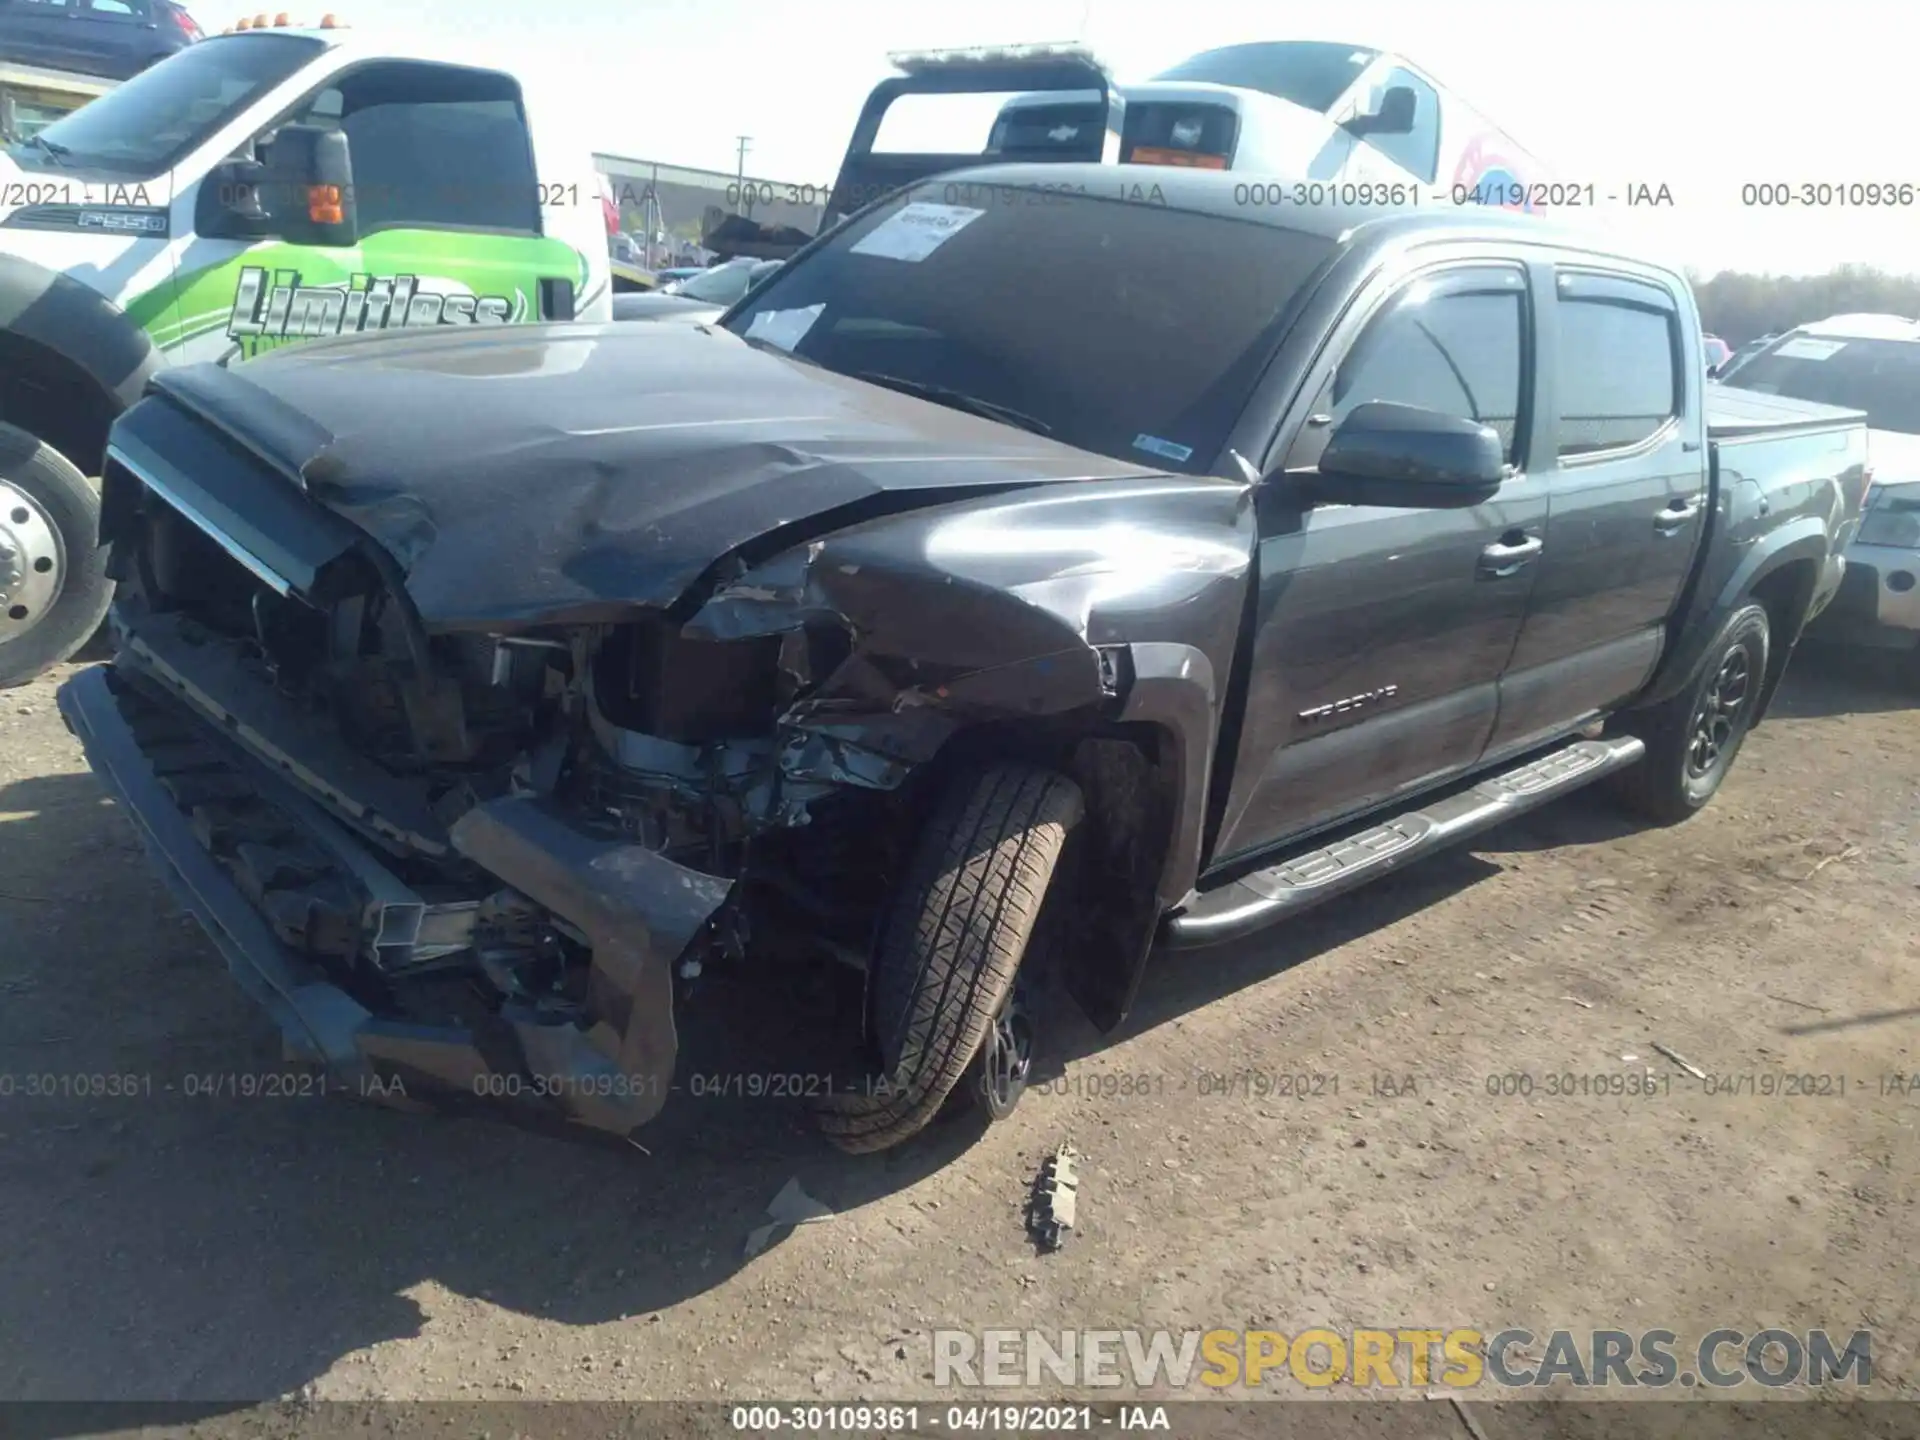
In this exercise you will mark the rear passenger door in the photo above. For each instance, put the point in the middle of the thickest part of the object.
(113, 34)
(39, 32)
(1625, 467)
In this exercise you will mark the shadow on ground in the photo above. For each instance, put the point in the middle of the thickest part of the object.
(157, 1214)
(151, 1222)
(1825, 680)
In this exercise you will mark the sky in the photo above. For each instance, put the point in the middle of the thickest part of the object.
(1700, 96)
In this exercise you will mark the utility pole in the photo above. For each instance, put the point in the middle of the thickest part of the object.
(740, 174)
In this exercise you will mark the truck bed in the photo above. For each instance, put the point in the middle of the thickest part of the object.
(1734, 414)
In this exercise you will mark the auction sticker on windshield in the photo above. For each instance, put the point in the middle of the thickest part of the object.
(916, 231)
(1808, 348)
(785, 328)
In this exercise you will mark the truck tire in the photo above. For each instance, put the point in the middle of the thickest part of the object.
(1693, 737)
(950, 940)
(53, 571)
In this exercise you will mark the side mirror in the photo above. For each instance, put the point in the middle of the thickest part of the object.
(1394, 117)
(310, 166)
(1406, 457)
(300, 191)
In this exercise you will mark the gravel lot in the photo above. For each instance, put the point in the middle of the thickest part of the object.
(178, 1246)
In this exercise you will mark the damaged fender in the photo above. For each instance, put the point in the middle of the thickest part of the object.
(1022, 606)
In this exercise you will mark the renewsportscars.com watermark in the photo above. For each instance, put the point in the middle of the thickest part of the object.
(1399, 1358)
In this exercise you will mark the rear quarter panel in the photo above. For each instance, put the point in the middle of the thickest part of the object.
(1788, 500)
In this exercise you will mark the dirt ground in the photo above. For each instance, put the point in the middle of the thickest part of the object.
(179, 1246)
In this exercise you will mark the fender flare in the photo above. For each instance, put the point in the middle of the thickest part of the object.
(80, 324)
(1174, 691)
(1803, 540)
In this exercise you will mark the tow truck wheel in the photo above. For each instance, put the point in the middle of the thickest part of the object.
(54, 589)
(1692, 739)
(942, 980)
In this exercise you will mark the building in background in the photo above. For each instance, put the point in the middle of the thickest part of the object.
(32, 98)
(667, 205)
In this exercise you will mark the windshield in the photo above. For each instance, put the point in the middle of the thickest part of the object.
(722, 285)
(1312, 73)
(1881, 377)
(1073, 312)
(143, 128)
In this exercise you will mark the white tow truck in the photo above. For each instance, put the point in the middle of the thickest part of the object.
(256, 189)
(1310, 123)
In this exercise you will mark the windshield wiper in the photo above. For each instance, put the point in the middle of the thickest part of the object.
(760, 342)
(52, 147)
(957, 400)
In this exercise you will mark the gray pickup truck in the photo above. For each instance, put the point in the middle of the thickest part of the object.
(983, 593)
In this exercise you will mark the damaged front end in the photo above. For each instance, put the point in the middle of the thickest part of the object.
(486, 859)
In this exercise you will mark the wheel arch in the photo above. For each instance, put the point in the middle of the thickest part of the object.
(1780, 574)
(1144, 771)
(68, 352)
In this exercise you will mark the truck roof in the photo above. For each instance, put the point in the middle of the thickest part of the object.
(383, 44)
(1225, 193)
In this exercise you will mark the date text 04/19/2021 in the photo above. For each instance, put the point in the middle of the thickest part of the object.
(883, 1419)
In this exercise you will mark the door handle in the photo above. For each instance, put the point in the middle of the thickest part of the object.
(1677, 515)
(1509, 555)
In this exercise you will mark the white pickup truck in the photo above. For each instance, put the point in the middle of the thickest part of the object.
(253, 190)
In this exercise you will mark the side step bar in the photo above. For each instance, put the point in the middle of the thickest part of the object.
(1255, 901)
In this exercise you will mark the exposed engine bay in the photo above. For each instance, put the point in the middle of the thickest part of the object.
(637, 734)
(474, 758)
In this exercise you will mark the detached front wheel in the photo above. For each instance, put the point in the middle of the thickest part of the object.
(943, 1009)
(54, 590)
(1693, 737)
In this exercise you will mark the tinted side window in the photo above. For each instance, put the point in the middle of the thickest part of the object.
(1617, 378)
(1458, 350)
(1419, 149)
(456, 162)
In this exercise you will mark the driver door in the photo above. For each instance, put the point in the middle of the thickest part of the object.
(1382, 633)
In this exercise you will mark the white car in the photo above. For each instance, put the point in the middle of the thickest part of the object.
(1870, 363)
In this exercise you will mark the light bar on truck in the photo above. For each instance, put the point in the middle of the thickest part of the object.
(920, 62)
(259, 22)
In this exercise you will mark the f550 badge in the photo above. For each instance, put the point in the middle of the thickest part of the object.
(282, 308)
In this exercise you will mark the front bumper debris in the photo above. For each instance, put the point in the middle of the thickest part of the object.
(276, 883)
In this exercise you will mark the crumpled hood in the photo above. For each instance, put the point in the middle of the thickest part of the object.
(562, 472)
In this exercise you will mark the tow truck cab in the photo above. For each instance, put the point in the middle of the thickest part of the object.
(251, 191)
(1308, 111)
